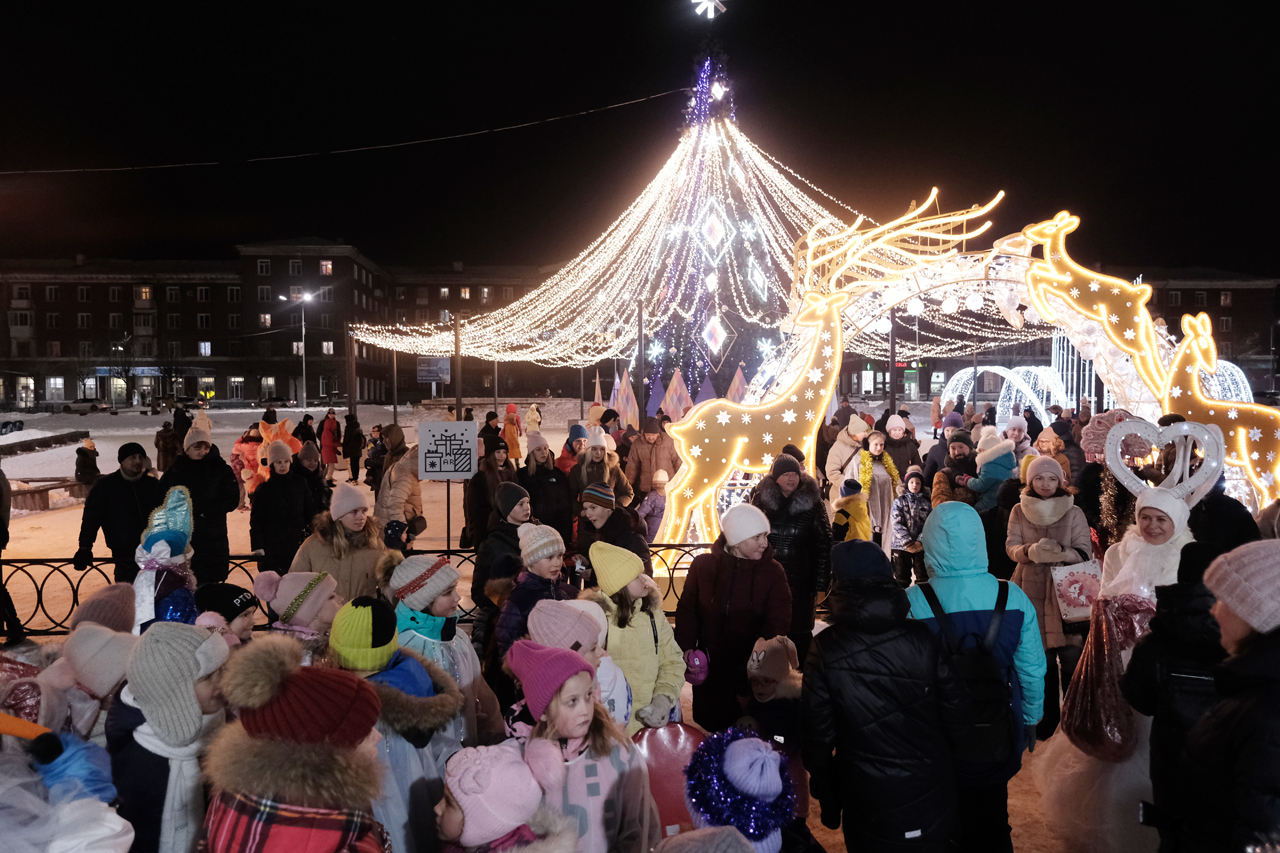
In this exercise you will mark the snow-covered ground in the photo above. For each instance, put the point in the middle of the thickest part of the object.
(24, 435)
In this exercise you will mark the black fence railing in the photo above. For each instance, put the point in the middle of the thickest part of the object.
(46, 591)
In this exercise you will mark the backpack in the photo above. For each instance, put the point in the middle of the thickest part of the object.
(990, 694)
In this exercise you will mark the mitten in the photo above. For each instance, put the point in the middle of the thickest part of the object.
(83, 559)
(1045, 551)
(963, 479)
(1029, 738)
(657, 713)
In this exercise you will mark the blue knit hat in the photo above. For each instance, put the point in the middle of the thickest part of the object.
(850, 487)
(576, 432)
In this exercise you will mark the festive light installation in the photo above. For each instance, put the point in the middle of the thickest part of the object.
(719, 439)
(704, 249)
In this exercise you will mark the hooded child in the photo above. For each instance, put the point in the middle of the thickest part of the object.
(850, 520)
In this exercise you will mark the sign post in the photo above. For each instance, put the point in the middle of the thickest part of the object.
(447, 450)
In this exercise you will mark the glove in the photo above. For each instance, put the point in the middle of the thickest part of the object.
(1029, 738)
(85, 763)
(914, 547)
(657, 713)
(83, 559)
(1045, 551)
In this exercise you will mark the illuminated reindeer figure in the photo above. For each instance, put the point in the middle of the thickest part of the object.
(1252, 432)
(718, 437)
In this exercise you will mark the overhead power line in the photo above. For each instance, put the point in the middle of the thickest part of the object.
(338, 150)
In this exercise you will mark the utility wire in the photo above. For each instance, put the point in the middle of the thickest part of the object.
(340, 150)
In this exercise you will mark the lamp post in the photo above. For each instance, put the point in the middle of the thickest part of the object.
(302, 304)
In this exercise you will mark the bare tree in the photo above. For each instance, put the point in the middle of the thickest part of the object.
(121, 363)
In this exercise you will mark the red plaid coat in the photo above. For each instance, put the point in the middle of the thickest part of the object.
(241, 823)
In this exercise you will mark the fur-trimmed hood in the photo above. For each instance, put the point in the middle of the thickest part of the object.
(318, 776)
(499, 590)
(770, 499)
(1000, 449)
(556, 833)
(404, 713)
(611, 462)
(850, 503)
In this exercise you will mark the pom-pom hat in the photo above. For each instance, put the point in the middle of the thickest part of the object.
(543, 671)
(420, 580)
(735, 779)
(538, 541)
(364, 637)
(494, 788)
(614, 567)
(280, 698)
(297, 596)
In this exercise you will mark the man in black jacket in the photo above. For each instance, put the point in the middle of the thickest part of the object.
(214, 493)
(119, 504)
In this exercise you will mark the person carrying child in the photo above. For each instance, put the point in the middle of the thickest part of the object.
(605, 782)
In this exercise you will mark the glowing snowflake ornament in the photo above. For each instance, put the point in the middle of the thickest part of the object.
(714, 334)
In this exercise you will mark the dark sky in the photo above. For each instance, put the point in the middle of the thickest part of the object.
(1149, 123)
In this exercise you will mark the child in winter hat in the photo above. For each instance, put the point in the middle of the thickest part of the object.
(1246, 582)
(424, 591)
(605, 779)
(235, 606)
(417, 698)
(615, 692)
(851, 519)
(167, 712)
(654, 504)
(542, 552)
(774, 713)
(306, 603)
(736, 779)
(493, 801)
(305, 745)
(910, 511)
(111, 607)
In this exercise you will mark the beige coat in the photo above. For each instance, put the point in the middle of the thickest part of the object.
(845, 448)
(400, 497)
(356, 573)
(1062, 521)
(645, 458)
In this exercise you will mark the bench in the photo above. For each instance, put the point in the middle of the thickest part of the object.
(37, 496)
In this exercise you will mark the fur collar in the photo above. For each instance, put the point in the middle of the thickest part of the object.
(769, 496)
(1045, 512)
(611, 462)
(556, 833)
(405, 713)
(849, 502)
(499, 590)
(1005, 446)
(312, 775)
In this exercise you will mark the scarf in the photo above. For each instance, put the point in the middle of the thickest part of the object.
(864, 475)
(183, 797)
(439, 628)
(1145, 566)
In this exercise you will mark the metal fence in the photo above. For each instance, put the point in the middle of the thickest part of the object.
(46, 591)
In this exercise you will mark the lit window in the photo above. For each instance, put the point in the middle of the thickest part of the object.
(267, 386)
(174, 321)
(172, 294)
(233, 294)
(486, 295)
(444, 293)
(264, 267)
(326, 268)
(53, 321)
(84, 321)
(444, 316)
(464, 292)
(1175, 298)
(264, 321)
(51, 293)
(326, 348)
(235, 387)
(206, 348)
(1224, 324)
(264, 294)
(297, 348)
(1202, 299)
(233, 321)
(53, 388)
(142, 293)
(295, 267)
(204, 321)
(82, 293)
(1224, 299)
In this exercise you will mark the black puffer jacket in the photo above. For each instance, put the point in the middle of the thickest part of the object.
(1170, 678)
(800, 534)
(352, 439)
(904, 452)
(214, 493)
(280, 519)
(549, 495)
(1221, 520)
(314, 480)
(622, 528)
(1229, 792)
(882, 707)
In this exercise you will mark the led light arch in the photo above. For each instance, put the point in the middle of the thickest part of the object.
(1020, 380)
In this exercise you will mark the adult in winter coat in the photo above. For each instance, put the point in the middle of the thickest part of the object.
(377, 452)
(282, 511)
(604, 521)
(495, 469)
(1016, 431)
(167, 446)
(1222, 520)
(995, 464)
(1229, 795)
(1170, 678)
(880, 479)
(286, 778)
(119, 504)
(955, 554)
(512, 430)
(959, 462)
(182, 423)
(330, 434)
(214, 493)
(573, 445)
(840, 457)
(87, 463)
(1072, 450)
(935, 460)
(306, 467)
(901, 444)
(304, 431)
(400, 496)
(353, 447)
(1034, 425)
(1048, 444)
(640, 641)
(882, 709)
(345, 542)
(800, 535)
(599, 464)
(550, 495)
(533, 418)
(655, 450)
(733, 596)
(1046, 529)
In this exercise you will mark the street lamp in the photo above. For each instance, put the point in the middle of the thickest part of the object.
(305, 298)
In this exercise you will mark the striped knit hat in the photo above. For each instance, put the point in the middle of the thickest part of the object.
(419, 580)
(600, 494)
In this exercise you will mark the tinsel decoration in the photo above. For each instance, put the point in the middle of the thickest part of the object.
(1117, 510)
(708, 791)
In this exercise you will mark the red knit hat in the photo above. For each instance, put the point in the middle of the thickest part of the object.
(280, 698)
(543, 671)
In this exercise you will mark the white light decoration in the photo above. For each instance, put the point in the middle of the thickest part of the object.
(714, 334)
(882, 325)
(712, 280)
(915, 306)
(973, 302)
(718, 90)
(950, 305)
(709, 7)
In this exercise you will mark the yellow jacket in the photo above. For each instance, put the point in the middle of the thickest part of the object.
(851, 520)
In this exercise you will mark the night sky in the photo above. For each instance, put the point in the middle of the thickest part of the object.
(1148, 123)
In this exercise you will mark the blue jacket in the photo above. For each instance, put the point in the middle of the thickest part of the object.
(995, 465)
(910, 511)
(955, 553)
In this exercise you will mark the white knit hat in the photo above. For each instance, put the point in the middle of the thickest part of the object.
(741, 522)
(346, 498)
(419, 580)
(595, 437)
(1163, 500)
(538, 541)
(1018, 422)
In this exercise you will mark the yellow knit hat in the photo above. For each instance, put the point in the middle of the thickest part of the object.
(363, 637)
(615, 567)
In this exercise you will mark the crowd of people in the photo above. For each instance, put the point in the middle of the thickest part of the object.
(364, 717)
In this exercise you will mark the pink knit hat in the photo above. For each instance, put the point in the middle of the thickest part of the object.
(99, 656)
(297, 596)
(543, 671)
(494, 788)
(112, 607)
(560, 625)
(1248, 581)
